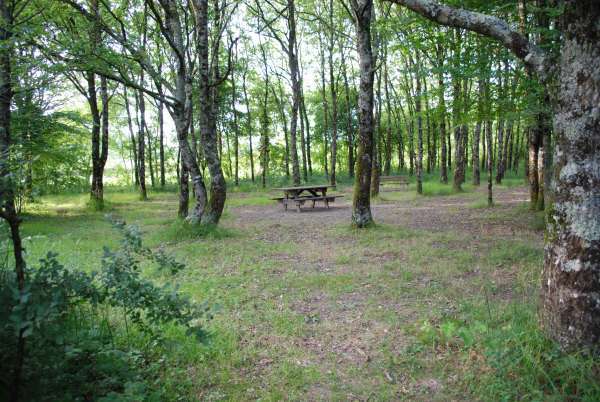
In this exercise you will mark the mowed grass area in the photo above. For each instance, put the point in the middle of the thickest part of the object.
(437, 301)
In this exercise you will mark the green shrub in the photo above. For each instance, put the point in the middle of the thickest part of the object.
(96, 336)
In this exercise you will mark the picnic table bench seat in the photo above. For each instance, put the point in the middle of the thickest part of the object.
(299, 201)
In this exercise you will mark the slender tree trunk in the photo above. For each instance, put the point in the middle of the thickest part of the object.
(419, 126)
(96, 194)
(248, 125)
(361, 203)
(264, 123)
(325, 107)
(442, 116)
(132, 137)
(459, 172)
(499, 150)
(488, 137)
(307, 125)
(350, 128)
(376, 164)
(141, 106)
(534, 185)
(334, 103)
(302, 135)
(477, 133)
(184, 192)
(161, 139)
(284, 123)
(150, 156)
(294, 71)
(236, 130)
(388, 138)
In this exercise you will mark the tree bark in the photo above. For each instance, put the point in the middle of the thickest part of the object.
(571, 276)
(361, 202)
(208, 110)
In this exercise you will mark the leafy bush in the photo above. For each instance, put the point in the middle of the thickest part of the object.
(96, 335)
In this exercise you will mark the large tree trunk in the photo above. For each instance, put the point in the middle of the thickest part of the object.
(571, 276)
(361, 202)
(208, 111)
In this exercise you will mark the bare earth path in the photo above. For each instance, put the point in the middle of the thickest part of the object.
(332, 313)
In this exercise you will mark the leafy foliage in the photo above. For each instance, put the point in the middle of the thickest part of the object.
(79, 327)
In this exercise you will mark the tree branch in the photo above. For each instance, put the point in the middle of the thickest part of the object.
(487, 25)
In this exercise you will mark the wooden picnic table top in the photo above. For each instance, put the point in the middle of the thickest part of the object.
(312, 187)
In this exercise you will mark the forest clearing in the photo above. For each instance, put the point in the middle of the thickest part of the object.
(311, 309)
(299, 200)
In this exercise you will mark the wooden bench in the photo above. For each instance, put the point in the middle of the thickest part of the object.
(299, 201)
(399, 180)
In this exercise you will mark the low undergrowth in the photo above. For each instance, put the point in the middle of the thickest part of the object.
(98, 335)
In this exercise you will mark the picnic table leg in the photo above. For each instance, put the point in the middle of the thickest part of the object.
(298, 207)
(313, 203)
(327, 203)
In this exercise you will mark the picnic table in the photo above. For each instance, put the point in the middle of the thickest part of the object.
(298, 195)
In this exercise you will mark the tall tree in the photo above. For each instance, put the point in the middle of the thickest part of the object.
(571, 276)
(362, 13)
